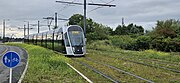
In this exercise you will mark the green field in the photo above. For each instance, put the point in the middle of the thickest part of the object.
(46, 66)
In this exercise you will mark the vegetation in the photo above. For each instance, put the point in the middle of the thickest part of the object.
(94, 30)
(164, 37)
(45, 66)
(130, 29)
(104, 52)
(168, 28)
(159, 47)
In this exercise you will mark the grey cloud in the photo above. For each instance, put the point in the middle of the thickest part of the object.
(142, 12)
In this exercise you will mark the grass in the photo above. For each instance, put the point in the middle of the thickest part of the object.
(104, 52)
(106, 46)
(154, 74)
(94, 77)
(45, 66)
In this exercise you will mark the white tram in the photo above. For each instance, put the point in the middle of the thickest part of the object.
(69, 40)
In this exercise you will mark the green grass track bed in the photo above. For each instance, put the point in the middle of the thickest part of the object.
(45, 66)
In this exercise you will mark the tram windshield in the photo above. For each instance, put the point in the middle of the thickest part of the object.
(76, 38)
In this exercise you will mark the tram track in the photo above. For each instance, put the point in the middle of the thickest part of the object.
(150, 65)
(163, 62)
(96, 66)
(165, 68)
(159, 61)
(120, 70)
(99, 67)
(111, 67)
(96, 71)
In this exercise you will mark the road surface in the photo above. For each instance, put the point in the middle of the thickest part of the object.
(18, 70)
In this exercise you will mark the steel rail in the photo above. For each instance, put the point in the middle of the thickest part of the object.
(161, 67)
(96, 71)
(112, 67)
(173, 70)
(157, 60)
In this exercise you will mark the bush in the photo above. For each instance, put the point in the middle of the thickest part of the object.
(143, 42)
(146, 42)
(166, 44)
(100, 45)
(124, 42)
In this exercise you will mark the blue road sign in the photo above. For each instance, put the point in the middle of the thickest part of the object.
(10, 59)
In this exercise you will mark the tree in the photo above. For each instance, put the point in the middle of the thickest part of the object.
(130, 29)
(169, 28)
(75, 19)
(95, 31)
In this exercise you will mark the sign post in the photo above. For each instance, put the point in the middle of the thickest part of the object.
(10, 60)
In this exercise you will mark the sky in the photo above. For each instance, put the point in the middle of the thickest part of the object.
(141, 12)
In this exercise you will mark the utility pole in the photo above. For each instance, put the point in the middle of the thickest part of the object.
(4, 31)
(55, 21)
(24, 32)
(28, 29)
(85, 18)
(49, 23)
(24, 28)
(122, 21)
(38, 26)
(85, 4)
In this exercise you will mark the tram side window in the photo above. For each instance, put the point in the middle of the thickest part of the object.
(66, 40)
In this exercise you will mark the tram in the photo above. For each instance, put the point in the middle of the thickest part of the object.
(69, 40)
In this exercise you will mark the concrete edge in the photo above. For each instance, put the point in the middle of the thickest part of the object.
(88, 80)
(4, 51)
(24, 72)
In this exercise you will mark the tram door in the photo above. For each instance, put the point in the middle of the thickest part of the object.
(67, 45)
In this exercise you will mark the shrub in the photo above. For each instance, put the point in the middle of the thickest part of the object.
(143, 42)
(124, 42)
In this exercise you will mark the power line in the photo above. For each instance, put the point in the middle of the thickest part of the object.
(66, 6)
(85, 4)
(102, 1)
(63, 15)
(96, 4)
(55, 19)
(92, 1)
(100, 7)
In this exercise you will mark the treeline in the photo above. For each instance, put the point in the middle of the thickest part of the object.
(146, 42)
(131, 29)
(95, 31)
(165, 36)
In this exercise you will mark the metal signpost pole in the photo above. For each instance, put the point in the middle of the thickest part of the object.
(10, 75)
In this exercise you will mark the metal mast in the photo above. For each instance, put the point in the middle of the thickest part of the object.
(85, 4)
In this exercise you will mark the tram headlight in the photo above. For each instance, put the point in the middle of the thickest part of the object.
(73, 49)
(82, 49)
